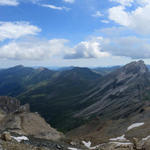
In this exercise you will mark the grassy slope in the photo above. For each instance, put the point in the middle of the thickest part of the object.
(53, 94)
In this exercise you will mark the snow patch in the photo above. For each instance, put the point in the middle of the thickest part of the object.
(145, 139)
(120, 143)
(87, 144)
(95, 147)
(71, 148)
(121, 138)
(21, 138)
(135, 125)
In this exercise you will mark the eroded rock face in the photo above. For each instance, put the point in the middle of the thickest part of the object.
(143, 144)
(9, 104)
(30, 124)
(18, 119)
(23, 108)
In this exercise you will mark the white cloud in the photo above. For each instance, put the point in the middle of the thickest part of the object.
(69, 1)
(33, 49)
(131, 46)
(119, 15)
(88, 49)
(37, 49)
(143, 2)
(124, 2)
(97, 14)
(120, 42)
(15, 30)
(55, 7)
(9, 2)
(137, 20)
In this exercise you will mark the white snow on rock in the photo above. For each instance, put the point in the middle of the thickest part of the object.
(21, 138)
(95, 147)
(121, 138)
(120, 143)
(145, 139)
(71, 148)
(87, 144)
(135, 125)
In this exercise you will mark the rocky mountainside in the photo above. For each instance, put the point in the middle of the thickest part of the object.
(122, 92)
(120, 99)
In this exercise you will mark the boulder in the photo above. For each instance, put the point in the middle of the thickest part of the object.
(29, 124)
(24, 108)
(6, 136)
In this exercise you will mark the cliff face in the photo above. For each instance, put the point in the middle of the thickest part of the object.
(9, 104)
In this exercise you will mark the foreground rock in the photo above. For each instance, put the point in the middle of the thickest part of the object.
(30, 124)
(6, 136)
(19, 146)
(18, 119)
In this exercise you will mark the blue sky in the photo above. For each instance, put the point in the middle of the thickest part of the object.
(74, 32)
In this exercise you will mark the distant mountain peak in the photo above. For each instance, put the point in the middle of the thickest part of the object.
(18, 66)
(135, 67)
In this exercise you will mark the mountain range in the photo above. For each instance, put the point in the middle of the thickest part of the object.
(51, 93)
(83, 102)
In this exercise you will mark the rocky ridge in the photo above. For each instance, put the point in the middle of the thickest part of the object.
(122, 89)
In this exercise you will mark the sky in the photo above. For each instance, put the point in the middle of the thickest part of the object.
(86, 33)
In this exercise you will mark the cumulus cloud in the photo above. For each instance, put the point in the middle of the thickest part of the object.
(131, 46)
(69, 1)
(9, 2)
(55, 7)
(137, 20)
(36, 49)
(97, 47)
(88, 49)
(33, 49)
(15, 30)
(119, 15)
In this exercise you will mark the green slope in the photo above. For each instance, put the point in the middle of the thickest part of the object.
(55, 95)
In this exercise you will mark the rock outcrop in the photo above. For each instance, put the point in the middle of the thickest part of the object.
(18, 119)
(29, 124)
(9, 104)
